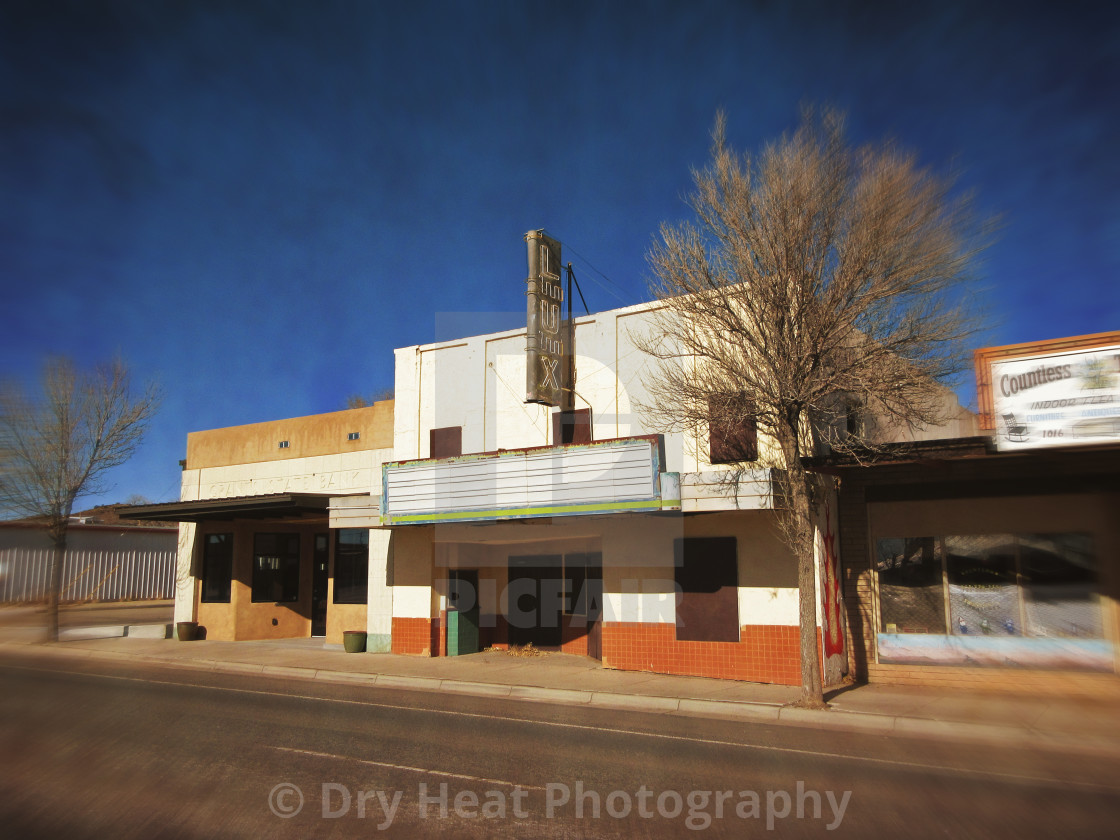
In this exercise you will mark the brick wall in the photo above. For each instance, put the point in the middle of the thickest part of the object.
(414, 636)
(768, 654)
(574, 638)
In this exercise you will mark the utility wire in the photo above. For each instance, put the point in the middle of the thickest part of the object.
(613, 292)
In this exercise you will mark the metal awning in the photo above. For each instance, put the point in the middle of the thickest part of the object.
(275, 506)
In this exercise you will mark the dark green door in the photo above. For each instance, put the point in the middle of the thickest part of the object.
(462, 612)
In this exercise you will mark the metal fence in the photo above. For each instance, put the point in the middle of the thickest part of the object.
(101, 564)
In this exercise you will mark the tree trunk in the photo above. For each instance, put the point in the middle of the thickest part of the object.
(812, 691)
(54, 584)
(799, 536)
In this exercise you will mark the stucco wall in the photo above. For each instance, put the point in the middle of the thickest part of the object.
(479, 383)
(317, 434)
(241, 618)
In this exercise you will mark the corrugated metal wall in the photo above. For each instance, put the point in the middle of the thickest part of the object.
(104, 564)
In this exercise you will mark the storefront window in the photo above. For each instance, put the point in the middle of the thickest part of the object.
(983, 587)
(911, 586)
(351, 566)
(275, 568)
(991, 599)
(1059, 586)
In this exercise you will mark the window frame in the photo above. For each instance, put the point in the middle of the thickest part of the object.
(1017, 573)
(225, 574)
(287, 571)
(729, 444)
(360, 577)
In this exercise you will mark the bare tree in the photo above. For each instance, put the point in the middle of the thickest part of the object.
(57, 448)
(362, 401)
(818, 296)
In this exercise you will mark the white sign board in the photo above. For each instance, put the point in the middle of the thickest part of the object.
(1062, 399)
(615, 476)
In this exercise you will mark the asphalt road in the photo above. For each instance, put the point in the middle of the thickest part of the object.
(107, 750)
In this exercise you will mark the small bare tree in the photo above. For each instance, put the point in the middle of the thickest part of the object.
(57, 448)
(818, 287)
(362, 401)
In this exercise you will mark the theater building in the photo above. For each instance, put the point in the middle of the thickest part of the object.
(994, 561)
(589, 531)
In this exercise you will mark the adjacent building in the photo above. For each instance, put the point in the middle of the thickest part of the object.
(261, 554)
(107, 559)
(994, 560)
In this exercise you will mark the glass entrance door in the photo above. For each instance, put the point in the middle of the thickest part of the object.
(319, 577)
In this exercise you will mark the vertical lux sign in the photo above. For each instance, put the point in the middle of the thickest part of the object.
(545, 368)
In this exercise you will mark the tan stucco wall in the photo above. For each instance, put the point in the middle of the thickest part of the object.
(412, 556)
(343, 617)
(241, 619)
(317, 434)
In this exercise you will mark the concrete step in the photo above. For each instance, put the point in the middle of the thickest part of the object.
(112, 631)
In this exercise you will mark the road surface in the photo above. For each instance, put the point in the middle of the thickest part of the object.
(100, 749)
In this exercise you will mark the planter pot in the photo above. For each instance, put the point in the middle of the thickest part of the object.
(354, 641)
(186, 631)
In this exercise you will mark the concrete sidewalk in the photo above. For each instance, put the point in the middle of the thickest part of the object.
(1066, 723)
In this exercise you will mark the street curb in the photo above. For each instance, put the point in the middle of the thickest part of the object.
(769, 713)
(235, 667)
(837, 719)
(348, 677)
(394, 681)
(480, 689)
(642, 702)
(570, 696)
(760, 712)
(288, 671)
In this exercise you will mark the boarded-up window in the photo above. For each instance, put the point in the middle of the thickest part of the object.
(571, 426)
(447, 442)
(708, 581)
(732, 429)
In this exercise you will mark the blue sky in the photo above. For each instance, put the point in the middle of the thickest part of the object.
(255, 202)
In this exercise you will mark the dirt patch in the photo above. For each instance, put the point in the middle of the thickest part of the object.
(518, 650)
